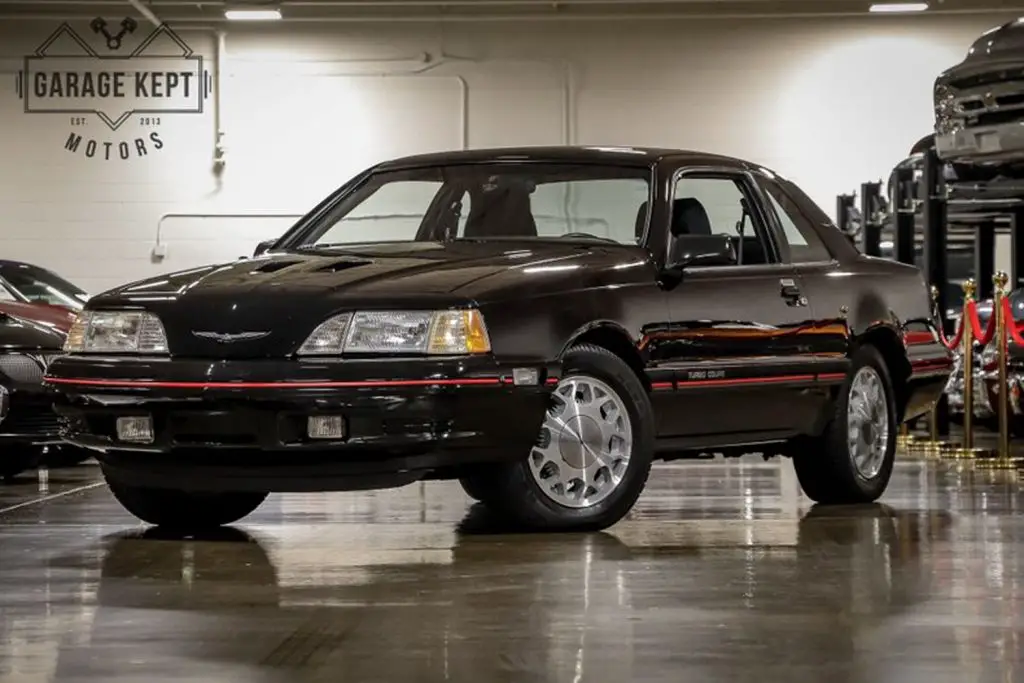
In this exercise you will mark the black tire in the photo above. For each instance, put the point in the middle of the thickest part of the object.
(19, 459)
(185, 510)
(510, 489)
(477, 485)
(824, 465)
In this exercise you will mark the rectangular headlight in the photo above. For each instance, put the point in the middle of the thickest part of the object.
(454, 332)
(116, 332)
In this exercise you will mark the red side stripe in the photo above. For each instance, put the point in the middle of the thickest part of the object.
(831, 376)
(274, 385)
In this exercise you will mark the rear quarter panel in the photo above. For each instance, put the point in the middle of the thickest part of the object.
(887, 304)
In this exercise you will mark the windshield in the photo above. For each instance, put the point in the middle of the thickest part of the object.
(491, 201)
(37, 284)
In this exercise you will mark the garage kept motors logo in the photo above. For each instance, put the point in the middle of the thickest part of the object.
(115, 102)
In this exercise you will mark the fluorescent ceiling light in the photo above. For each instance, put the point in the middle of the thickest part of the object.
(252, 14)
(900, 7)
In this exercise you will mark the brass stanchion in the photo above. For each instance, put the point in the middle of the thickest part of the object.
(967, 364)
(904, 440)
(1003, 459)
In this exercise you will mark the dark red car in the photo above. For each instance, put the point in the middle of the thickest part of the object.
(37, 309)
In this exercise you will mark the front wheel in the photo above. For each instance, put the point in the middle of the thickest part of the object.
(852, 461)
(185, 510)
(593, 454)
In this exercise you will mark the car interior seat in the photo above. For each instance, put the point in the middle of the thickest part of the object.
(502, 211)
(689, 217)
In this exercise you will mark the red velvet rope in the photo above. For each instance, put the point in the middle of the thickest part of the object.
(1011, 324)
(957, 338)
(982, 338)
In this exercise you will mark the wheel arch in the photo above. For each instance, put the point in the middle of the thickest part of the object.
(614, 338)
(888, 341)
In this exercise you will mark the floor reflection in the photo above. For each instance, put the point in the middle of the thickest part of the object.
(385, 590)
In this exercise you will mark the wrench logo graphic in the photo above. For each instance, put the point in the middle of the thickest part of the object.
(128, 25)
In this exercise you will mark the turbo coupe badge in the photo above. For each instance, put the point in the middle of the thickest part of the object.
(226, 338)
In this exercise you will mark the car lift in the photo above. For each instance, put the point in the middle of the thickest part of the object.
(940, 204)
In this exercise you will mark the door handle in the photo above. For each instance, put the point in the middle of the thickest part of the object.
(789, 291)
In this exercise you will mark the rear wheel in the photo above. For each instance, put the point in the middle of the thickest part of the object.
(852, 461)
(185, 510)
(593, 454)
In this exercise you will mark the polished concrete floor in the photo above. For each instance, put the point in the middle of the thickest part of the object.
(724, 572)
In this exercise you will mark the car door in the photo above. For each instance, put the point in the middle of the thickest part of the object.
(737, 339)
(820, 275)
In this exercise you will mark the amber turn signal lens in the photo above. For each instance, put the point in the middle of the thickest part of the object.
(477, 340)
(458, 332)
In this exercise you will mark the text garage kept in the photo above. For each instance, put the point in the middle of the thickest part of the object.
(118, 84)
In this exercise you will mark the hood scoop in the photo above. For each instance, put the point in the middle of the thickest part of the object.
(274, 266)
(344, 264)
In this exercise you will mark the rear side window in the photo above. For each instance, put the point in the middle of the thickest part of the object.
(805, 246)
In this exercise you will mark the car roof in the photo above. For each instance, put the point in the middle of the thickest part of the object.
(614, 154)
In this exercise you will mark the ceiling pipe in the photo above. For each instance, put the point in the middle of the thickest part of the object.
(208, 22)
(378, 4)
(146, 12)
(195, 23)
(554, 5)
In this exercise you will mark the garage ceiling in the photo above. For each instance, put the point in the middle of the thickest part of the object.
(212, 11)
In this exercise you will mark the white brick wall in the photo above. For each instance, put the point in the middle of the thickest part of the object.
(824, 102)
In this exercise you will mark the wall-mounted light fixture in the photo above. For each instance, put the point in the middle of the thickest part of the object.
(898, 7)
(252, 14)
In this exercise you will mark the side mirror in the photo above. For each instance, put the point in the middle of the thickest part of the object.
(263, 247)
(692, 251)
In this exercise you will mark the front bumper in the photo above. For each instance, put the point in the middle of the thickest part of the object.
(26, 405)
(234, 425)
(993, 143)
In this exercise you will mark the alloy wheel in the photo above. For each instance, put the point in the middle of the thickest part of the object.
(584, 446)
(867, 422)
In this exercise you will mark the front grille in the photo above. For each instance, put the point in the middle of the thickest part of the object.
(31, 419)
(988, 78)
(996, 118)
(21, 368)
(996, 104)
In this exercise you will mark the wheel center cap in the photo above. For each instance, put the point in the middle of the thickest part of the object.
(867, 433)
(577, 441)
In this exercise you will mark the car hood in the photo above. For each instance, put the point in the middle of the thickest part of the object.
(287, 294)
(999, 48)
(1006, 41)
(23, 327)
(57, 317)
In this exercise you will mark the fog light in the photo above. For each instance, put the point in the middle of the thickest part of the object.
(135, 429)
(325, 427)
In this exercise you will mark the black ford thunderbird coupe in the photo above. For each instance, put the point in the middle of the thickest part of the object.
(541, 324)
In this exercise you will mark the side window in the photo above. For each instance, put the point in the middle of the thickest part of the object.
(804, 244)
(718, 206)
